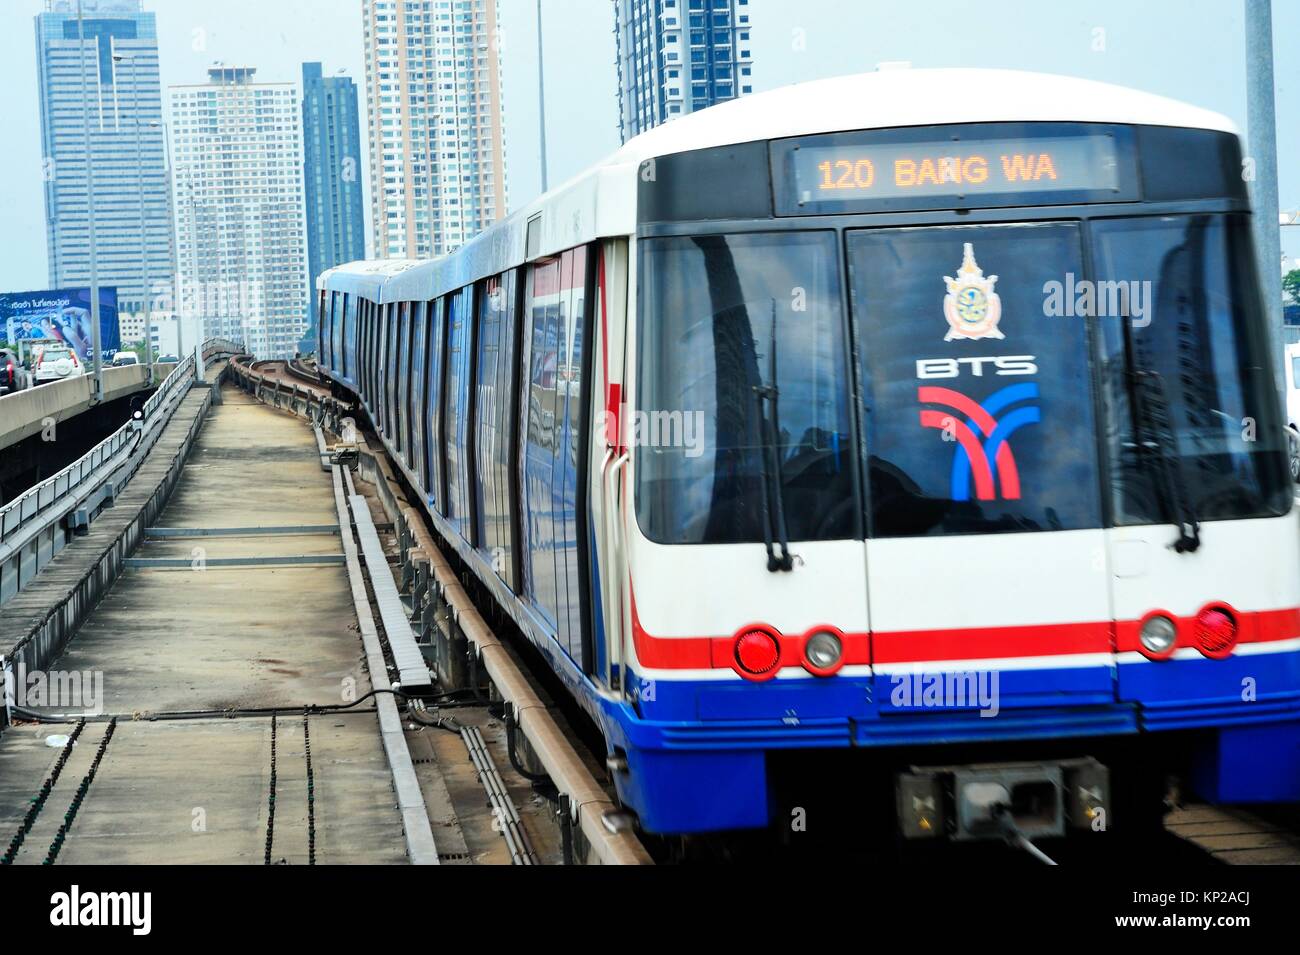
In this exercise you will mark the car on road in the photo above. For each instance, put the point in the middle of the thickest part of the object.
(1293, 408)
(56, 363)
(13, 377)
(124, 358)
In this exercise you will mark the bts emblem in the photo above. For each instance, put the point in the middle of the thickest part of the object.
(971, 306)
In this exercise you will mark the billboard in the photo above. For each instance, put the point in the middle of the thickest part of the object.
(59, 315)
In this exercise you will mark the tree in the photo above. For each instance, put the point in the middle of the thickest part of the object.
(1291, 286)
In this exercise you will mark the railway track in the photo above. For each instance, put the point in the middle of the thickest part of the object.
(226, 739)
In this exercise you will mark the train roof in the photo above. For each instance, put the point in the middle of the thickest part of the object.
(907, 97)
(601, 201)
(365, 277)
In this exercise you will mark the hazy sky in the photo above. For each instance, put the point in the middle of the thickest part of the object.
(1188, 49)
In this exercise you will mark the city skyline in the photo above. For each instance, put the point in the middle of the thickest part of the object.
(1113, 42)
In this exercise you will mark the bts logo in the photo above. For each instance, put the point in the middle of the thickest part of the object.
(981, 436)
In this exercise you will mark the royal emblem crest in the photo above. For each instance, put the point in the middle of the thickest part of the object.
(971, 306)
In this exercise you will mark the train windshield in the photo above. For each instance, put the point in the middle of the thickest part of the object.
(1052, 375)
(980, 419)
(746, 342)
(1202, 357)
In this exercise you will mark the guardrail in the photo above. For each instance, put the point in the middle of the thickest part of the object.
(36, 525)
(313, 402)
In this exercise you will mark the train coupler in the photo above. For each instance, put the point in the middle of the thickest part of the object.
(980, 801)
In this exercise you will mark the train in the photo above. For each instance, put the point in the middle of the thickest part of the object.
(920, 419)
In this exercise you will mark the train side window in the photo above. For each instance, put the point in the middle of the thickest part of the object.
(494, 363)
(363, 353)
(459, 354)
(350, 340)
(323, 299)
(336, 334)
(390, 366)
(416, 373)
(403, 380)
(381, 382)
(556, 313)
(414, 312)
(437, 488)
(326, 333)
(341, 336)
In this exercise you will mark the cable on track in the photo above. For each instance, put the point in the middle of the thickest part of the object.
(270, 800)
(311, 794)
(80, 795)
(42, 795)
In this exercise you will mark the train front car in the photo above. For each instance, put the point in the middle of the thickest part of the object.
(951, 434)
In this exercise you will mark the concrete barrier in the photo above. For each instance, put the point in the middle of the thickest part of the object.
(24, 413)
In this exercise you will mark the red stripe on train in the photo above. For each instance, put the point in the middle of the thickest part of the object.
(967, 643)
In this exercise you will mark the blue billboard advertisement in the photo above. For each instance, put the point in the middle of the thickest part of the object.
(59, 315)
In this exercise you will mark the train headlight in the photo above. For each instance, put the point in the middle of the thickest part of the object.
(823, 652)
(1216, 632)
(1158, 636)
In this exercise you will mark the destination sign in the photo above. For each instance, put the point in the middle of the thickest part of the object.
(853, 173)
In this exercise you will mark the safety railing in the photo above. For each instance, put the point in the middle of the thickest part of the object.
(311, 401)
(33, 528)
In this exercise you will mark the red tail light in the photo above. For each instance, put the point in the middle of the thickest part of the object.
(1216, 633)
(757, 653)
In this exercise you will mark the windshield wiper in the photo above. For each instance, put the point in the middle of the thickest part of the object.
(773, 480)
(1154, 434)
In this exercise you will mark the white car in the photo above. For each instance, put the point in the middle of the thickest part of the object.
(1293, 407)
(56, 363)
(125, 358)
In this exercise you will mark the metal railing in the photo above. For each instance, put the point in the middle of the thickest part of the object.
(36, 525)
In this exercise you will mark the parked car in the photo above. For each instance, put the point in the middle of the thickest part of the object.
(13, 377)
(123, 358)
(1293, 408)
(56, 363)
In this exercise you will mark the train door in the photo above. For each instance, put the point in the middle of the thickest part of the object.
(985, 553)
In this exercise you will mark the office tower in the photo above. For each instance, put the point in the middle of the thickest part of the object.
(678, 56)
(435, 118)
(240, 224)
(121, 101)
(331, 171)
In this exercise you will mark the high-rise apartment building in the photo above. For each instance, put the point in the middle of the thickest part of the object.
(331, 135)
(678, 56)
(435, 118)
(111, 85)
(240, 224)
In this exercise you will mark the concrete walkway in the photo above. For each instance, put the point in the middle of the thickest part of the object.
(208, 637)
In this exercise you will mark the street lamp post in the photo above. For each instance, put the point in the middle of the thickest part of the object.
(1261, 125)
(97, 389)
(139, 184)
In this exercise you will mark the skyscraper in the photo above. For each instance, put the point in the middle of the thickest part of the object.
(434, 114)
(122, 100)
(677, 56)
(240, 224)
(331, 138)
